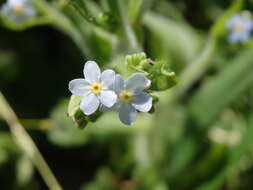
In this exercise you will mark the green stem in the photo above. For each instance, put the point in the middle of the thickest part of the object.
(196, 69)
(60, 21)
(23, 139)
(37, 124)
(132, 40)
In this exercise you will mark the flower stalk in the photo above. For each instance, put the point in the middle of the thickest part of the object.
(26, 143)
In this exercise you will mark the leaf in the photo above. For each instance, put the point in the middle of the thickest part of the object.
(224, 89)
(64, 132)
(179, 39)
(104, 179)
(24, 171)
(134, 9)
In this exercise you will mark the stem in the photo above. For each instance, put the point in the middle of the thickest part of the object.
(37, 124)
(60, 21)
(127, 28)
(196, 68)
(23, 139)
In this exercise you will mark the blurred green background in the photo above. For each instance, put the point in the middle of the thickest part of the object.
(201, 134)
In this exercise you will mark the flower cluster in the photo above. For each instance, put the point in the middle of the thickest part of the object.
(110, 91)
(240, 27)
(18, 10)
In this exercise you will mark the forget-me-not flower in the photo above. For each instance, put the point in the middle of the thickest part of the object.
(95, 88)
(18, 10)
(240, 27)
(131, 97)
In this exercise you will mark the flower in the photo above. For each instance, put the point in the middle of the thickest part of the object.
(240, 26)
(131, 97)
(18, 10)
(95, 88)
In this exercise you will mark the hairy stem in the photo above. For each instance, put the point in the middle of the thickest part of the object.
(26, 143)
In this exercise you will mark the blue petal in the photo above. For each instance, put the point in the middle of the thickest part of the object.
(127, 114)
(142, 102)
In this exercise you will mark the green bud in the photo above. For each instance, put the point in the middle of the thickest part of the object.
(80, 119)
(73, 106)
(162, 78)
(77, 115)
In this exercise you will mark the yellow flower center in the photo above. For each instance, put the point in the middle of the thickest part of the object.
(19, 9)
(96, 88)
(238, 27)
(126, 96)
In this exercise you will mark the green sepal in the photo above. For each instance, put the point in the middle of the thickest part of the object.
(75, 113)
(80, 119)
(161, 76)
(73, 106)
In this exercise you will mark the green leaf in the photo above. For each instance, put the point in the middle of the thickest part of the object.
(64, 132)
(224, 89)
(24, 171)
(178, 39)
(134, 8)
(104, 179)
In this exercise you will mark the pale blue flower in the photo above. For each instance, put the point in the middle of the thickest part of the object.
(131, 97)
(95, 88)
(240, 27)
(18, 10)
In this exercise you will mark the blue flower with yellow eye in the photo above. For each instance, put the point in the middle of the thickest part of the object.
(240, 27)
(131, 97)
(96, 88)
(18, 10)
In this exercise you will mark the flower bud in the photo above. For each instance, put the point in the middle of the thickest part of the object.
(157, 72)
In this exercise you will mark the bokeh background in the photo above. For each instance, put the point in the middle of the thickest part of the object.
(201, 133)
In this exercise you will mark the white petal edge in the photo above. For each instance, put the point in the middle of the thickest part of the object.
(91, 71)
(137, 82)
(108, 78)
(79, 87)
(127, 114)
(108, 98)
(89, 104)
(142, 102)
